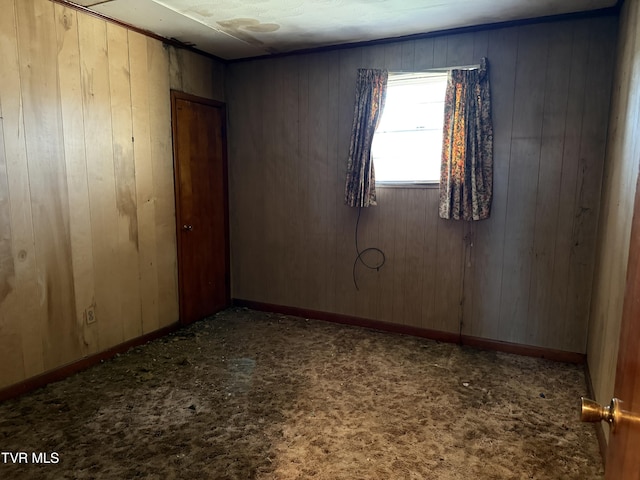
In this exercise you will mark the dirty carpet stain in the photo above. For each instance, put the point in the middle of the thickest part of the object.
(263, 396)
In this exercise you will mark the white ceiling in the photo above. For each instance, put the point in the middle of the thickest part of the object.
(233, 29)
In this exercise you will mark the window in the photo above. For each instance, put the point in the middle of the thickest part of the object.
(407, 146)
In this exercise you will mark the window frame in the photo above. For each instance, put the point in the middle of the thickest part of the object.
(400, 78)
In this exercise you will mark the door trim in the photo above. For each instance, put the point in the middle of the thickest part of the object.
(175, 96)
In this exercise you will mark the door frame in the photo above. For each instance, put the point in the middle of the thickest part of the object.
(175, 96)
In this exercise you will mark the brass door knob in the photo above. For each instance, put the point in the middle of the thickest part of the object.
(187, 228)
(592, 411)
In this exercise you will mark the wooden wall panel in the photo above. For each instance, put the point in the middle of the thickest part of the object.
(430, 277)
(144, 187)
(279, 201)
(392, 237)
(593, 140)
(410, 296)
(86, 184)
(47, 179)
(570, 179)
(481, 312)
(522, 187)
(196, 74)
(316, 216)
(125, 180)
(74, 153)
(245, 260)
(161, 153)
(341, 227)
(11, 364)
(513, 277)
(23, 348)
(289, 134)
(540, 313)
(99, 147)
(618, 192)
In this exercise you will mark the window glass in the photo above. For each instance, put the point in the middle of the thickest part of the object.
(407, 145)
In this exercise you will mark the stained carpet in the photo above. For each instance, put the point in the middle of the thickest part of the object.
(249, 395)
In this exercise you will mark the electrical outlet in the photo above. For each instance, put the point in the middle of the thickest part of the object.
(90, 315)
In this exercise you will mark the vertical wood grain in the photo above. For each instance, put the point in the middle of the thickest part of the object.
(469, 286)
(316, 219)
(440, 45)
(373, 57)
(344, 292)
(450, 245)
(369, 280)
(399, 254)
(99, 147)
(423, 57)
(76, 168)
(7, 269)
(368, 225)
(144, 185)
(21, 315)
(194, 74)
(448, 263)
(237, 203)
(482, 310)
(588, 189)
(614, 226)
(429, 251)
(36, 34)
(336, 155)
(480, 45)
(460, 50)
(437, 272)
(391, 234)
(161, 153)
(11, 361)
(269, 186)
(549, 177)
(408, 56)
(275, 179)
(87, 202)
(569, 182)
(125, 180)
(523, 185)
(250, 177)
(414, 262)
(393, 57)
(301, 151)
(291, 188)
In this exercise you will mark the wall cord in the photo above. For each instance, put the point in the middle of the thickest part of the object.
(360, 253)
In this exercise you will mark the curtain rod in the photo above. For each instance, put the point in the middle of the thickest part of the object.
(439, 69)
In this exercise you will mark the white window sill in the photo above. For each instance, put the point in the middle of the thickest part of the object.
(407, 184)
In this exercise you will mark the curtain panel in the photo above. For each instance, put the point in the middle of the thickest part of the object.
(371, 89)
(466, 176)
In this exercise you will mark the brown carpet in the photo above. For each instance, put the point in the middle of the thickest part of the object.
(248, 395)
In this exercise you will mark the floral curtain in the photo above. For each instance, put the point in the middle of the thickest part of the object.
(466, 177)
(371, 89)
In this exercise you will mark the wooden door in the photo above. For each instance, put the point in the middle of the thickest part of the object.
(199, 143)
(623, 451)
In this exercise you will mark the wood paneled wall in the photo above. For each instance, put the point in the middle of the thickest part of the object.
(86, 183)
(619, 188)
(522, 276)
